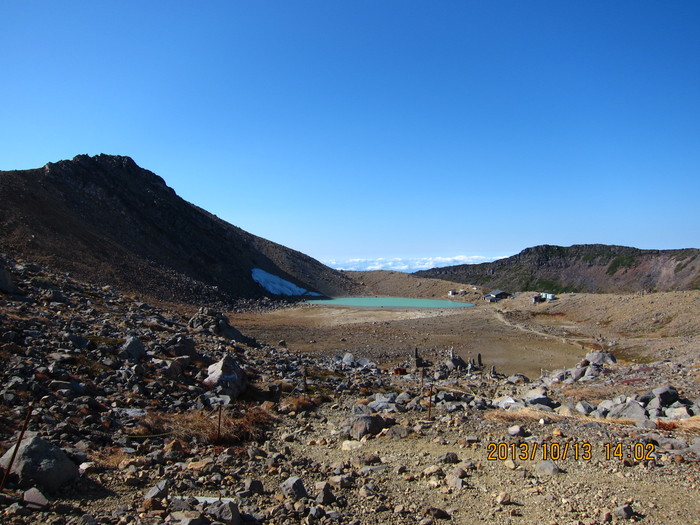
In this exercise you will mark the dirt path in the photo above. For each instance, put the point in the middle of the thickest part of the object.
(499, 315)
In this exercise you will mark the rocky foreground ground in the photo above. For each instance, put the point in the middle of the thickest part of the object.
(151, 414)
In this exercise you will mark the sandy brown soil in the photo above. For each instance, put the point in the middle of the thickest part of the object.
(655, 337)
(584, 495)
(514, 334)
(390, 336)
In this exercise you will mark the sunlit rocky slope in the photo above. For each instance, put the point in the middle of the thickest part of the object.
(582, 268)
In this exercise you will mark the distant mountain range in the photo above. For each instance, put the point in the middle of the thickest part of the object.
(107, 220)
(582, 268)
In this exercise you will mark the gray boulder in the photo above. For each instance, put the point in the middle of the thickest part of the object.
(325, 495)
(34, 499)
(363, 425)
(226, 512)
(455, 363)
(6, 284)
(695, 446)
(159, 491)
(538, 396)
(294, 488)
(180, 346)
(578, 373)
(133, 349)
(667, 395)
(41, 463)
(624, 512)
(600, 358)
(592, 371)
(584, 407)
(217, 323)
(228, 376)
(629, 410)
(678, 412)
(547, 468)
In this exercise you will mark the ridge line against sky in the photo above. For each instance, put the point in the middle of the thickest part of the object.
(377, 130)
(406, 264)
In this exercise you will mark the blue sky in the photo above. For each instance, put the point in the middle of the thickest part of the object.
(365, 129)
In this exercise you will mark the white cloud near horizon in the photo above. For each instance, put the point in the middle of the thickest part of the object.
(406, 264)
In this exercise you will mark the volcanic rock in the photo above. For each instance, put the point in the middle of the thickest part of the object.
(228, 376)
(42, 463)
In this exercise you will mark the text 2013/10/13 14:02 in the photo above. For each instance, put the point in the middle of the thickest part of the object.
(562, 451)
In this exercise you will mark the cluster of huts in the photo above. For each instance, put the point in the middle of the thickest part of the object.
(497, 295)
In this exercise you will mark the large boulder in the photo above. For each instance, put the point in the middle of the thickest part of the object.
(41, 463)
(6, 284)
(600, 358)
(629, 410)
(363, 425)
(216, 323)
(133, 349)
(227, 377)
(293, 487)
(667, 395)
(180, 346)
(455, 363)
(538, 396)
(225, 511)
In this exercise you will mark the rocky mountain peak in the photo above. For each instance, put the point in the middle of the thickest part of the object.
(108, 220)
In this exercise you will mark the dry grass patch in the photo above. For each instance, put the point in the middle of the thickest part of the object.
(690, 425)
(231, 426)
(529, 415)
(298, 404)
(111, 458)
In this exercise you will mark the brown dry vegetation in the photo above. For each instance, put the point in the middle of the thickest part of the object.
(203, 426)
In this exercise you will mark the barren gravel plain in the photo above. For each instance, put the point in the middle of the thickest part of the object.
(591, 416)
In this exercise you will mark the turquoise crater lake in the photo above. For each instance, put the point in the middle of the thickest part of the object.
(388, 302)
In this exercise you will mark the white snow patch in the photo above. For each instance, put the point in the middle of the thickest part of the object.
(277, 285)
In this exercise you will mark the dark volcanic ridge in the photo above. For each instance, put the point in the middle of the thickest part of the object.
(106, 220)
(582, 268)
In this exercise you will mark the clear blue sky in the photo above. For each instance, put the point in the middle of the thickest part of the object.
(370, 128)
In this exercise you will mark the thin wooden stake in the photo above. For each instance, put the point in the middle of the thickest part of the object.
(218, 430)
(14, 453)
(430, 403)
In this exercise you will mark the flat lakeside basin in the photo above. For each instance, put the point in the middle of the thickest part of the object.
(388, 302)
